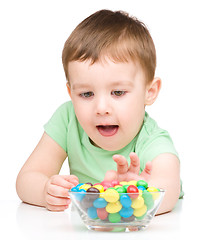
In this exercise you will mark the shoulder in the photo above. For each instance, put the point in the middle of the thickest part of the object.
(153, 141)
(64, 112)
(150, 129)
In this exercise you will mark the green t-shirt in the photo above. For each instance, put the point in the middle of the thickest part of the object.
(90, 163)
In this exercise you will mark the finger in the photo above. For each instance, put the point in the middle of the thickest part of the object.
(61, 181)
(57, 201)
(122, 164)
(146, 173)
(134, 163)
(110, 175)
(56, 208)
(57, 191)
(71, 178)
(148, 167)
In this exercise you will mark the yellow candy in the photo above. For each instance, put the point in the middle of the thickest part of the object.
(101, 195)
(99, 187)
(123, 183)
(140, 211)
(137, 202)
(140, 192)
(152, 189)
(132, 182)
(111, 195)
(154, 192)
(85, 186)
(113, 207)
(117, 186)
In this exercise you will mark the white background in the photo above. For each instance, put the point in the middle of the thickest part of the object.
(32, 81)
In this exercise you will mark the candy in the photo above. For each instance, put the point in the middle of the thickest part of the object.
(141, 188)
(102, 213)
(80, 195)
(93, 192)
(86, 202)
(123, 183)
(140, 211)
(128, 219)
(148, 199)
(132, 182)
(114, 182)
(85, 186)
(99, 187)
(132, 191)
(116, 201)
(154, 191)
(137, 202)
(111, 195)
(114, 217)
(125, 201)
(126, 212)
(92, 212)
(120, 190)
(113, 207)
(142, 183)
(100, 203)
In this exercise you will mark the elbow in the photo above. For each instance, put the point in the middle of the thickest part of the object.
(169, 201)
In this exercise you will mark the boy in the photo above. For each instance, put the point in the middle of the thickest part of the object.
(109, 62)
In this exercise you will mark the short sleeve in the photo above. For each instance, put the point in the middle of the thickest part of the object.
(57, 126)
(153, 141)
(156, 146)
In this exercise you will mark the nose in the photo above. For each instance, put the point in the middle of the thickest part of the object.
(103, 106)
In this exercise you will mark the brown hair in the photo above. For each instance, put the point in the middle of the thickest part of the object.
(114, 35)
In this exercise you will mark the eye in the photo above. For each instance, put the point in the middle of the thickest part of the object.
(118, 93)
(87, 94)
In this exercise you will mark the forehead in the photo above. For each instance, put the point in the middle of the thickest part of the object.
(105, 66)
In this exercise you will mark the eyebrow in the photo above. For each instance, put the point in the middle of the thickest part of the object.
(122, 83)
(79, 85)
(114, 84)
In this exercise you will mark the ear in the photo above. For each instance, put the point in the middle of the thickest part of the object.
(152, 91)
(68, 88)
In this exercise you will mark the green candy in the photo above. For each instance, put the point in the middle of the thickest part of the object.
(114, 217)
(142, 183)
(125, 187)
(121, 190)
(141, 217)
(148, 199)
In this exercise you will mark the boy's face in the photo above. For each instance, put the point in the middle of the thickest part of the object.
(109, 101)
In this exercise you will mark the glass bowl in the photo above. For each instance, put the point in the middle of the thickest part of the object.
(109, 212)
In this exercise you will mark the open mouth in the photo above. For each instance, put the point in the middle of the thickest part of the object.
(107, 130)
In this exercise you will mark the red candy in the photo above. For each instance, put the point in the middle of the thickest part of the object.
(106, 184)
(114, 183)
(102, 213)
(133, 191)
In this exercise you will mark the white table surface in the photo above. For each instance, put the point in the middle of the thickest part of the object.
(24, 221)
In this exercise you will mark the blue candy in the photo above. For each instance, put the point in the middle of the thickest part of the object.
(79, 185)
(100, 203)
(125, 201)
(74, 189)
(79, 195)
(92, 212)
(141, 188)
(126, 212)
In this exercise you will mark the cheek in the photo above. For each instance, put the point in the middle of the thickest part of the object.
(83, 114)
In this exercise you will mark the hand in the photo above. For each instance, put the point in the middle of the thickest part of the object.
(56, 191)
(125, 173)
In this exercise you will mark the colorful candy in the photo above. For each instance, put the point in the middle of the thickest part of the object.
(116, 201)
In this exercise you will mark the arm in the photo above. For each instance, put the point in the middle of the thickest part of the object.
(38, 181)
(162, 172)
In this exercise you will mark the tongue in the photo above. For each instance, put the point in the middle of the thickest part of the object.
(107, 131)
